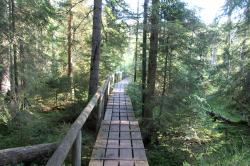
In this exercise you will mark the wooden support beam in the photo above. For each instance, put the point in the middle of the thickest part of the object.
(77, 150)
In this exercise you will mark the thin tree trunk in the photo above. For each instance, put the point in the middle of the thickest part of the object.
(144, 53)
(2, 71)
(96, 43)
(11, 76)
(70, 67)
(136, 42)
(152, 66)
(170, 70)
(14, 46)
(22, 58)
(70, 17)
(228, 45)
(164, 77)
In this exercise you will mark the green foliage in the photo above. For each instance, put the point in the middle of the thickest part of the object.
(134, 92)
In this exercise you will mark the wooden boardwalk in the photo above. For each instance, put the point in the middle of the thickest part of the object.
(119, 141)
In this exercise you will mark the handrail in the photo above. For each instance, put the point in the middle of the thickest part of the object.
(72, 139)
(73, 136)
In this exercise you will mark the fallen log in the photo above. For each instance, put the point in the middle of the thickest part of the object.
(26, 153)
(225, 120)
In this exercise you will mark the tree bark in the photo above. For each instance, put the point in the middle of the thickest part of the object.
(144, 53)
(22, 59)
(136, 42)
(152, 66)
(95, 57)
(69, 36)
(95, 54)
(15, 70)
(69, 51)
(228, 45)
(164, 76)
(11, 76)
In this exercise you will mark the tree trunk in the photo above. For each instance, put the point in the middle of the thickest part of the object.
(95, 57)
(170, 70)
(14, 46)
(95, 54)
(70, 67)
(11, 76)
(144, 53)
(164, 77)
(69, 51)
(152, 66)
(136, 42)
(22, 58)
(1, 75)
(228, 45)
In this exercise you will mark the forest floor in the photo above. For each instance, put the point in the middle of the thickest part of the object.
(37, 127)
(196, 139)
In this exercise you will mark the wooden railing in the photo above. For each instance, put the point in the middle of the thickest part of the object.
(72, 140)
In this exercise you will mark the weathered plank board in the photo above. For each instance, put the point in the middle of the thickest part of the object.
(119, 140)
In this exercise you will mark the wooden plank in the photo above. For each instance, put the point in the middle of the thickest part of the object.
(124, 127)
(104, 127)
(116, 110)
(125, 143)
(125, 135)
(114, 127)
(98, 153)
(111, 163)
(139, 154)
(123, 118)
(108, 115)
(113, 143)
(141, 163)
(96, 163)
(115, 122)
(136, 135)
(101, 143)
(124, 122)
(126, 153)
(126, 163)
(115, 114)
(113, 135)
(111, 153)
(134, 128)
(123, 114)
(105, 122)
(102, 135)
(115, 118)
(137, 144)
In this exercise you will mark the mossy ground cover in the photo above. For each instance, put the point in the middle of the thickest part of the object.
(37, 127)
(196, 139)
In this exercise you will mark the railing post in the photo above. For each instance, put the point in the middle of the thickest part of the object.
(113, 79)
(106, 94)
(108, 88)
(76, 150)
(100, 109)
